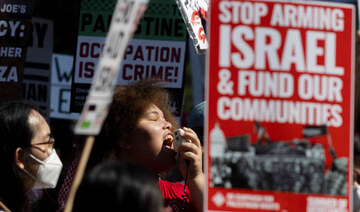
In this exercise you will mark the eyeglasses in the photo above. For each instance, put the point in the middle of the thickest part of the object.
(49, 145)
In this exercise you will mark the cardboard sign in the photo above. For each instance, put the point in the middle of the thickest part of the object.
(280, 102)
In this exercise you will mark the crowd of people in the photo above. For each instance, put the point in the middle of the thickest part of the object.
(127, 165)
(131, 166)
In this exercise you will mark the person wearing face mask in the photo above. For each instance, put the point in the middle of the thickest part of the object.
(28, 159)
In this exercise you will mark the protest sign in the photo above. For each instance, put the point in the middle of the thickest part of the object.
(37, 72)
(123, 24)
(15, 25)
(192, 12)
(279, 124)
(157, 49)
(61, 75)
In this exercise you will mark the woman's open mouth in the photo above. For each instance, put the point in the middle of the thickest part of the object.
(168, 141)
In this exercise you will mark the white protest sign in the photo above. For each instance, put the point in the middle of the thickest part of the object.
(61, 75)
(190, 11)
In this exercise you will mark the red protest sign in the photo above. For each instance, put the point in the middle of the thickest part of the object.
(279, 106)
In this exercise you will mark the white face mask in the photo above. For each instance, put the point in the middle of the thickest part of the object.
(48, 173)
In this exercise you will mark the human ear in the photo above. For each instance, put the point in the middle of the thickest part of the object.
(19, 158)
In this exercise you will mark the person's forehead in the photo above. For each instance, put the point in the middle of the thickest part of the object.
(154, 109)
(34, 118)
(40, 127)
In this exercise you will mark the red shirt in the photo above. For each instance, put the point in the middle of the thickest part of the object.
(173, 194)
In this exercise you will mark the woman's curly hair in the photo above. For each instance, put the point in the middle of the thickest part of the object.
(129, 104)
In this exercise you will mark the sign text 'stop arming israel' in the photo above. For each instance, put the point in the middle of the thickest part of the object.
(280, 106)
(123, 24)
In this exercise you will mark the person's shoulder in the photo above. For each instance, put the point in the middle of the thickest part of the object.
(174, 196)
(172, 189)
(168, 184)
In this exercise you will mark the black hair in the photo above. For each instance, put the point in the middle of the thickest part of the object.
(119, 186)
(15, 131)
